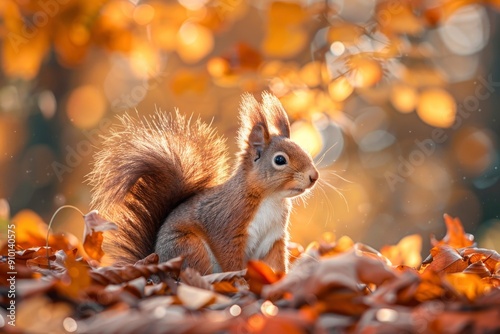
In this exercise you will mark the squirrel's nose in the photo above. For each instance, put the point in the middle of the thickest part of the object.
(313, 176)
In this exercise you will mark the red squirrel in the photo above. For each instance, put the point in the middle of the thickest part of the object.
(165, 181)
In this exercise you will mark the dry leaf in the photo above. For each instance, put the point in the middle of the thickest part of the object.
(193, 278)
(406, 252)
(259, 274)
(95, 225)
(194, 298)
(346, 271)
(115, 275)
(469, 285)
(446, 259)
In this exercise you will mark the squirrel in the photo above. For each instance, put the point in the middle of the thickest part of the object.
(166, 182)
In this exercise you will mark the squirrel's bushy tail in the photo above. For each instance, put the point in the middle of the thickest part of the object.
(147, 167)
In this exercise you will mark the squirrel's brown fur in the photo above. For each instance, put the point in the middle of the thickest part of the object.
(147, 167)
(165, 181)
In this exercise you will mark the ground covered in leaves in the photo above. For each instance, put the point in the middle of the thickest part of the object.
(334, 286)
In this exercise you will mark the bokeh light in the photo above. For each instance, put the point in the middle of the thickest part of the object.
(437, 107)
(86, 106)
(194, 42)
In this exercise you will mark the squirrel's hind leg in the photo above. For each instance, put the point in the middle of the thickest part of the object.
(196, 253)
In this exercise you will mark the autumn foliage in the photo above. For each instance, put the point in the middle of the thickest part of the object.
(333, 285)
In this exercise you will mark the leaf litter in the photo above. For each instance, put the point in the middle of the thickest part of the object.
(333, 285)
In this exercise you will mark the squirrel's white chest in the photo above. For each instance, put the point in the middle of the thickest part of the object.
(267, 226)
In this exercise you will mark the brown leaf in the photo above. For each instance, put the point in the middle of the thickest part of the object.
(116, 275)
(489, 257)
(226, 276)
(95, 225)
(52, 265)
(446, 259)
(400, 290)
(346, 271)
(478, 268)
(193, 278)
(136, 287)
(472, 321)
(194, 298)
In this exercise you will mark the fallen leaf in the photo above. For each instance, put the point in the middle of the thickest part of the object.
(259, 274)
(468, 285)
(455, 236)
(95, 225)
(195, 298)
(115, 275)
(446, 259)
(193, 278)
(346, 271)
(406, 252)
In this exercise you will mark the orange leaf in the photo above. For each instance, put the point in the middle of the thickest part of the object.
(260, 274)
(406, 252)
(489, 257)
(446, 259)
(94, 227)
(455, 235)
(469, 285)
(77, 277)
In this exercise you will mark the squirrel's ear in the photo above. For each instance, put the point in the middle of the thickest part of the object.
(276, 114)
(254, 132)
(258, 138)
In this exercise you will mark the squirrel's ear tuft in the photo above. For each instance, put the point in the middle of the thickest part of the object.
(253, 124)
(275, 114)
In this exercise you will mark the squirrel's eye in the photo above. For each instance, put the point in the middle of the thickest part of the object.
(279, 160)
